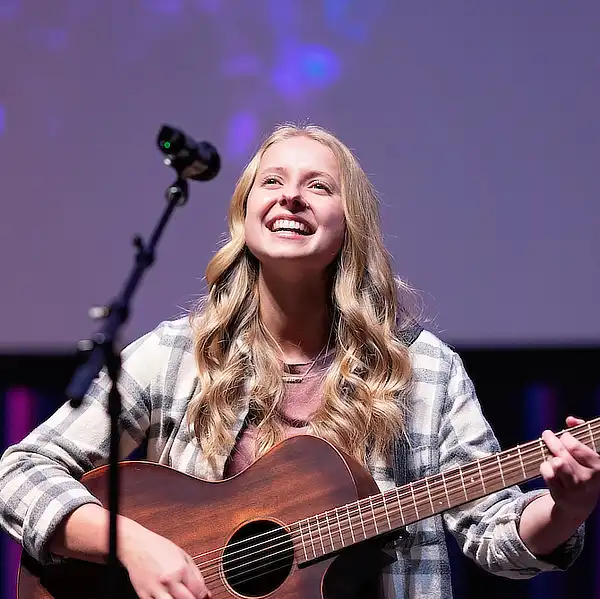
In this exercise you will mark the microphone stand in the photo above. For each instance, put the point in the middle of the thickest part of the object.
(103, 353)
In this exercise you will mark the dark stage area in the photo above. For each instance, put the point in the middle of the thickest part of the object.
(522, 391)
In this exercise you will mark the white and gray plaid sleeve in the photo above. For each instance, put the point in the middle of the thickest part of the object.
(487, 529)
(39, 477)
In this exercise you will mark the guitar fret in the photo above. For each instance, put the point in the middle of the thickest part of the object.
(412, 492)
(521, 460)
(340, 528)
(481, 476)
(500, 469)
(542, 448)
(400, 506)
(350, 523)
(329, 529)
(462, 480)
(446, 490)
(589, 427)
(429, 495)
(373, 512)
(515, 477)
(387, 515)
(302, 539)
(320, 534)
(312, 540)
(362, 522)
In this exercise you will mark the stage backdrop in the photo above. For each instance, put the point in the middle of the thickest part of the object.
(478, 122)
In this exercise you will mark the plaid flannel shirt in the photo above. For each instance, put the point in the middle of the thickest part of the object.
(39, 476)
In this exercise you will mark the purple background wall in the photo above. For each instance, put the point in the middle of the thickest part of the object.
(477, 120)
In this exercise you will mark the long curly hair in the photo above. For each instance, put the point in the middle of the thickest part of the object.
(365, 386)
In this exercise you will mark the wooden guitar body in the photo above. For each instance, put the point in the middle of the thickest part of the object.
(298, 478)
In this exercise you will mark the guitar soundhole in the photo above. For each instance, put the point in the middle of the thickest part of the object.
(258, 558)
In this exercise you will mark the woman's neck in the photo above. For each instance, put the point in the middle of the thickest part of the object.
(296, 314)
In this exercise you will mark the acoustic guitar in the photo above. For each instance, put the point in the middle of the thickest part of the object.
(301, 523)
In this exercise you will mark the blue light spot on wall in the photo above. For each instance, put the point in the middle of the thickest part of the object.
(351, 18)
(304, 68)
(320, 65)
(2, 119)
(287, 81)
(287, 74)
(241, 135)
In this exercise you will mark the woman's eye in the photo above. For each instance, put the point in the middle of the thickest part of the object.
(270, 181)
(321, 185)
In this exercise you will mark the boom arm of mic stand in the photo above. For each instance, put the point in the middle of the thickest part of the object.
(117, 313)
(104, 354)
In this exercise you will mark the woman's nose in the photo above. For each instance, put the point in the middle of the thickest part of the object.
(292, 200)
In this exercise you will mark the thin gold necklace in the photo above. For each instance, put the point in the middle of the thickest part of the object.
(298, 378)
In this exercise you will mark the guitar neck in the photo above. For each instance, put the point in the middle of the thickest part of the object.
(331, 531)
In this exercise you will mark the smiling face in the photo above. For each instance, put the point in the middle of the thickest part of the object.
(294, 210)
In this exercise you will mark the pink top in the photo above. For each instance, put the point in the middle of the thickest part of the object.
(301, 402)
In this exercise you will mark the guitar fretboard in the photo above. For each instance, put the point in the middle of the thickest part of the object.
(331, 531)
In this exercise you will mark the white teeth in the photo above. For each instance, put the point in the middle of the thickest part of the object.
(283, 224)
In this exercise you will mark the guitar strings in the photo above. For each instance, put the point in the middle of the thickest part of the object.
(380, 501)
(243, 575)
(370, 526)
(287, 536)
(449, 477)
(284, 558)
(216, 594)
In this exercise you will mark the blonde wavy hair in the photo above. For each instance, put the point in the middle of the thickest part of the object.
(238, 362)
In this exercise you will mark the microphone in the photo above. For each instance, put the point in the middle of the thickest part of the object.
(199, 161)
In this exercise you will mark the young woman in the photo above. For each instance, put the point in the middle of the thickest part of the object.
(304, 330)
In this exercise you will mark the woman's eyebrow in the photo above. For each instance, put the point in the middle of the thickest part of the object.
(308, 174)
